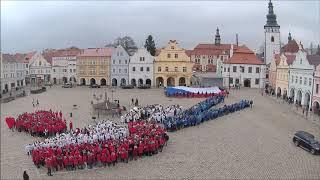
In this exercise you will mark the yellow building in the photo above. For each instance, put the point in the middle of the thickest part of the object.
(93, 66)
(172, 66)
(282, 82)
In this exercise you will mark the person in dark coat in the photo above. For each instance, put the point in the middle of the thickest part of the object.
(25, 175)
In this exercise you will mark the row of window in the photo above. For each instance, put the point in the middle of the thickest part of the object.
(18, 65)
(296, 78)
(176, 69)
(210, 57)
(242, 69)
(175, 56)
(65, 70)
(257, 81)
(125, 62)
(141, 69)
(120, 71)
(210, 61)
(40, 71)
(84, 62)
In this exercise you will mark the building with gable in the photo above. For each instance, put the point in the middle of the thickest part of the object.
(40, 70)
(316, 84)
(172, 66)
(141, 68)
(244, 68)
(282, 74)
(119, 67)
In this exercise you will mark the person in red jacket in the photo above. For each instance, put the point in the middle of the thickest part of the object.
(70, 125)
(135, 152)
(48, 165)
(113, 158)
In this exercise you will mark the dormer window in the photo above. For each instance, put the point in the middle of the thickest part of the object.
(300, 61)
(39, 63)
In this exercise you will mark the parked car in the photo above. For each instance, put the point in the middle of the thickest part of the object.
(67, 85)
(127, 86)
(306, 141)
(94, 86)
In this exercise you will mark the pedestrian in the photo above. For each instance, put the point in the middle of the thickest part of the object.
(70, 125)
(132, 101)
(37, 102)
(25, 175)
(251, 104)
(137, 102)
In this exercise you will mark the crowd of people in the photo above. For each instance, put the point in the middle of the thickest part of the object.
(195, 95)
(196, 116)
(39, 123)
(101, 144)
(155, 113)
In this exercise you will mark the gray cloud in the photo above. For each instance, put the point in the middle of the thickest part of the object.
(37, 25)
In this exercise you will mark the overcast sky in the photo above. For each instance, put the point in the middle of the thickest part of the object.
(34, 25)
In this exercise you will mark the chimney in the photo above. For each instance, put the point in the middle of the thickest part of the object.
(237, 42)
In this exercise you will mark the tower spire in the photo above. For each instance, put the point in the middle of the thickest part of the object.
(217, 39)
(271, 17)
(289, 37)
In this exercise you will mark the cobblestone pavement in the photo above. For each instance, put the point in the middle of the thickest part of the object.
(251, 144)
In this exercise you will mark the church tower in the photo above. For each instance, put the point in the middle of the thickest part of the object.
(217, 38)
(271, 35)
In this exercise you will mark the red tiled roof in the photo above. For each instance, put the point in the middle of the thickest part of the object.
(314, 59)
(188, 52)
(243, 55)
(96, 52)
(7, 58)
(291, 47)
(212, 49)
(30, 55)
(213, 46)
(290, 58)
(66, 52)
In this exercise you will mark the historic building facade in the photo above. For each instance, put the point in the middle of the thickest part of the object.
(39, 69)
(301, 79)
(273, 72)
(282, 76)
(93, 66)
(245, 69)
(315, 59)
(141, 68)
(209, 57)
(172, 66)
(64, 65)
(119, 67)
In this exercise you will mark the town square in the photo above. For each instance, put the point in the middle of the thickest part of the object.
(153, 107)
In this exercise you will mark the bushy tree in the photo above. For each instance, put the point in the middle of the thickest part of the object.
(150, 45)
(126, 42)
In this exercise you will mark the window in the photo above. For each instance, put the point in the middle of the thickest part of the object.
(250, 70)
(141, 69)
(39, 63)
(257, 81)
(296, 79)
(54, 70)
(234, 68)
(231, 80)
(148, 69)
(167, 69)
(184, 69)
(221, 58)
(224, 69)
(317, 88)
(242, 69)
(113, 70)
(159, 69)
(172, 47)
(125, 70)
(74, 70)
(310, 81)
(300, 80)
(257, 70)
(133, 68)
(176, 69)
(300, 61)
(70, 70)
(169, 55)
(305, 81)
(119, 61)
(203, 57)
(114, 61)
(176, 56)
(208, 61)
(26, 65)
(125, 61)
(237, 81)
(228, 69)
(272, 39)
(141, 58)
(119, 70)
(121, 54)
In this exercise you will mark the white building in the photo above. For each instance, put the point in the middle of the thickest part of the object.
(245, 69)
(119, 73)
(64, 66)
(39, 69)
(13, 71)
(272, 35)
(141, 68)
(301, 78)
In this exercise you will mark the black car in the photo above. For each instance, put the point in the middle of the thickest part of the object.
(306, 141)
(95, 86)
